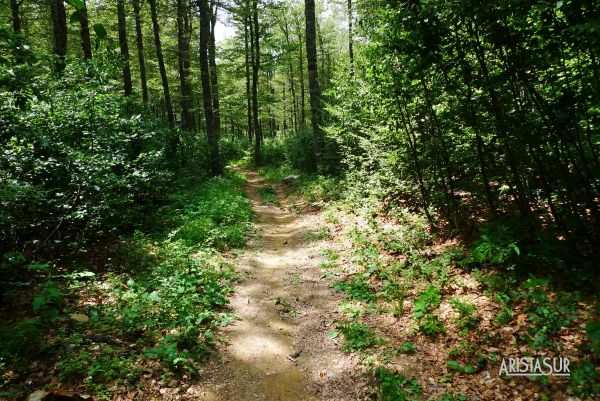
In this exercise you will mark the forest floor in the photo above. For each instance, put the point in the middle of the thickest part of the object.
(278, 349)
(342, 303)
(327, 300)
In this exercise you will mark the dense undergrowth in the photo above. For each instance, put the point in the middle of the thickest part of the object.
(155, 296)
(471, 301)
(111, 234)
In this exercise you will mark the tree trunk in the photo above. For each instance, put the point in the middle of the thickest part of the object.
(183, 57)
(302, 91)
(255, 38)
(124, 44)
(213, 68)
(59, 30)
(161, 63)
(292, 84)
(84, 27)
(350, 39)
(16, 17)
(247, 65)
(140, 47)
(213, 143)
(313, 81)
(15, 7)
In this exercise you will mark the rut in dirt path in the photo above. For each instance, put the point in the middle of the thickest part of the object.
(278, 350)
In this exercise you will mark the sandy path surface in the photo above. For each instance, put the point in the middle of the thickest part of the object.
(278, 349)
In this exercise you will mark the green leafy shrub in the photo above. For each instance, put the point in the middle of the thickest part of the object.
(585, 379)
(466, 310)
(394, 386)
(496, 245)
(357, 337)
(547, 317)
(426, 302)
(80, 160)
(357, 288)
(407, 348)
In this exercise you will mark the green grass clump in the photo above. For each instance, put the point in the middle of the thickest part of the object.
(267, 195)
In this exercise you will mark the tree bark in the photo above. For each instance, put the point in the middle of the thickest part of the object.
(255, 38)
(247, 65)
(292, 84)
(15, 14)
(213, 143)
(140, 48)
(124, 44)
(302, 87)
(212, 63)
(313, 81)
(183, 57)
(59, 30)
(15, 10)
(350, 39)
(84, 29)
(161, 63)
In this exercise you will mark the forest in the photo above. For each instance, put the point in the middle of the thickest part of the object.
(299, 200)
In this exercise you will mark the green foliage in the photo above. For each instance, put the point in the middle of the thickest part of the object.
(216, 214)
(407, 348)
(357, 288)
(76, 161)
(319, 235)
(546, 316)
(267, 195)
(423, 307)
(101, 366)
(467, 319)
(426, 302)
(394, 386)
(49, 301)
(456, 366)
(496, 246)
(358, 337)
(449, 396)
(585, 379)
(168, 301)
(593, 332)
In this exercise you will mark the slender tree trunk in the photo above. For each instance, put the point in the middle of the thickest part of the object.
(313, 81)
(213, 143)
(212, 62)
(140, 48)
(302, 90)
(84, 28)
(286, 32)
(255, 67)
(161, 63)
(15, 14)
(124, 44)
(183, 58)
(15, 9)
(350, 38)
(522, 199)
(59, 29)
(247, 65)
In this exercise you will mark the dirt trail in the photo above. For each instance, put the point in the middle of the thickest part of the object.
(278, 349)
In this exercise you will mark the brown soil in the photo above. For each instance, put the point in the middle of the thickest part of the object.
(278, 349)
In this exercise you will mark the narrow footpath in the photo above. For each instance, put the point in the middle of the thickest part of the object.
(278, 348)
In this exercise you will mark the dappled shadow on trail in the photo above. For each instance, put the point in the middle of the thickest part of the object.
(278, 349)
